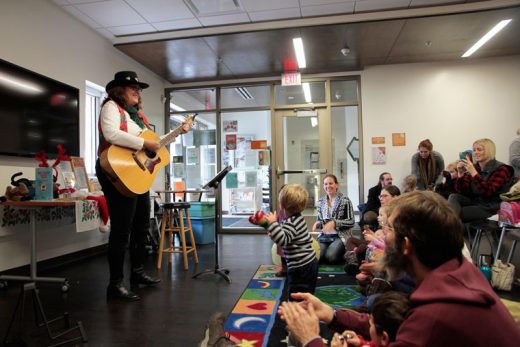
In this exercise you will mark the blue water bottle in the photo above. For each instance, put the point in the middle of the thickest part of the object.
(484, 263)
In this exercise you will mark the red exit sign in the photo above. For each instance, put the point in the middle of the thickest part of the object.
(291, 79)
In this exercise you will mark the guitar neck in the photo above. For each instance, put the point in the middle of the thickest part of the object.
(171, 136)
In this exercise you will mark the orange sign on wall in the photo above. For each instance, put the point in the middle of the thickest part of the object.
(259, 144)
(378, 140)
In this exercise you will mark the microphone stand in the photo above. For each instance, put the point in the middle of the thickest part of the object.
(215, 184)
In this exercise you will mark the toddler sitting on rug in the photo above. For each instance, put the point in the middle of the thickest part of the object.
(293, 236)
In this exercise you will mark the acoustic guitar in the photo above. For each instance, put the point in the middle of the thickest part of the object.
(133, 172)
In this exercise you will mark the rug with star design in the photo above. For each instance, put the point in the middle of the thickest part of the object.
(254, 314)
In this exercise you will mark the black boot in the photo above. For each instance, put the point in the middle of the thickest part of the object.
(351, 266)
(138, 277)
(118, 291)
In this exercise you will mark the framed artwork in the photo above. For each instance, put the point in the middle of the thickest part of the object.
(378, 155)
(399, 139)
(78, 166)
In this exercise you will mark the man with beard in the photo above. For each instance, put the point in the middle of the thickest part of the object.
(373, 203)
(453, 304)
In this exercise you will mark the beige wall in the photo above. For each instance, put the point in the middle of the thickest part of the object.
(41, 37)
(452, 104)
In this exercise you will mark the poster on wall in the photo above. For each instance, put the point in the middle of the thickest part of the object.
(259, 144)
(378, 155)
(251, 177)
(231, 142)
(378, 140)
(232, 180)
(230, 126)
(398, 139)
(264, 158)
(192, 155)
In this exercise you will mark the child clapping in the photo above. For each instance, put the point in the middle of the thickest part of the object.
(293, 236)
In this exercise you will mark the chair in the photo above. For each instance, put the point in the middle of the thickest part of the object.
(514, 233)
(176, 220)
(488, 227)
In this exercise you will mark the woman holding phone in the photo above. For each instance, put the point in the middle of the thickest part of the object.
(480, 182)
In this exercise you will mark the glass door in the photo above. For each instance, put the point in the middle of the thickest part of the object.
(303, 153)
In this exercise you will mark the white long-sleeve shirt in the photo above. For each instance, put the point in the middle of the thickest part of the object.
(110, 126)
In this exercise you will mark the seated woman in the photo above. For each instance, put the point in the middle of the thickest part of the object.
(335, 218)
(480, 182)
(356, 248)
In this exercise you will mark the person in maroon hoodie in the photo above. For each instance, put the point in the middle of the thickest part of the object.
(453, 305)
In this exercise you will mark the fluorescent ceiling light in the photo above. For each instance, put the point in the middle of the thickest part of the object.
(486, 37)
(176, 107)
(244, 93)
(307, 92)
(298, 49)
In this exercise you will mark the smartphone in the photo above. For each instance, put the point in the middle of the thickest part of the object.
(469, 152)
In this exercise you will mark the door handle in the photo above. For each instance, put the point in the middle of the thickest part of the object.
(309, 172)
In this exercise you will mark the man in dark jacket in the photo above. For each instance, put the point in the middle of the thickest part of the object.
(453, 304)
(373, 204)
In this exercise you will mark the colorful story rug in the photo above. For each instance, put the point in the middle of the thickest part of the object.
(250, 321)
(336, 288)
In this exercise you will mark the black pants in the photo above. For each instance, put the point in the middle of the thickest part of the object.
(129, 220)
(302, 279)
(468, 210)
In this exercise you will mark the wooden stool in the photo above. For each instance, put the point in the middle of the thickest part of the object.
(171, 225)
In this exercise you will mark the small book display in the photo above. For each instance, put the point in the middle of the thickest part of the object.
(44, 183)
(78, 166)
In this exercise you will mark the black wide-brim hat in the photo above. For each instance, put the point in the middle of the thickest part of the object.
(125, 78)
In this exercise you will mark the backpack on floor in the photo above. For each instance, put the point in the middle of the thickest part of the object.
(509, 212)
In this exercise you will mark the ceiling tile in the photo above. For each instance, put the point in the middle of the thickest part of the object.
(373, 5)
(177, 24)
(161, 10)
(275, 14)
(61, 2)
(105, 33)
(81, 16)
(111, 13)
(84, 1)
(323, 2)
(266, 5)
(132, 29)
(339, 8)
(225, 19)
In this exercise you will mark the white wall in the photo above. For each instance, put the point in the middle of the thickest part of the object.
(452, 104)
(41, 37)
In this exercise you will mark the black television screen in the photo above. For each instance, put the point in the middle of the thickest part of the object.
(36, 112)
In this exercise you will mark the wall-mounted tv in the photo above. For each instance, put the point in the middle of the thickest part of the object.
(36, 112)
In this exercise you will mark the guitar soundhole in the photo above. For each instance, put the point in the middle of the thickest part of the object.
(150, 154)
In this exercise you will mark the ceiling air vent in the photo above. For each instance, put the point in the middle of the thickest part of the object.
(213, 7)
